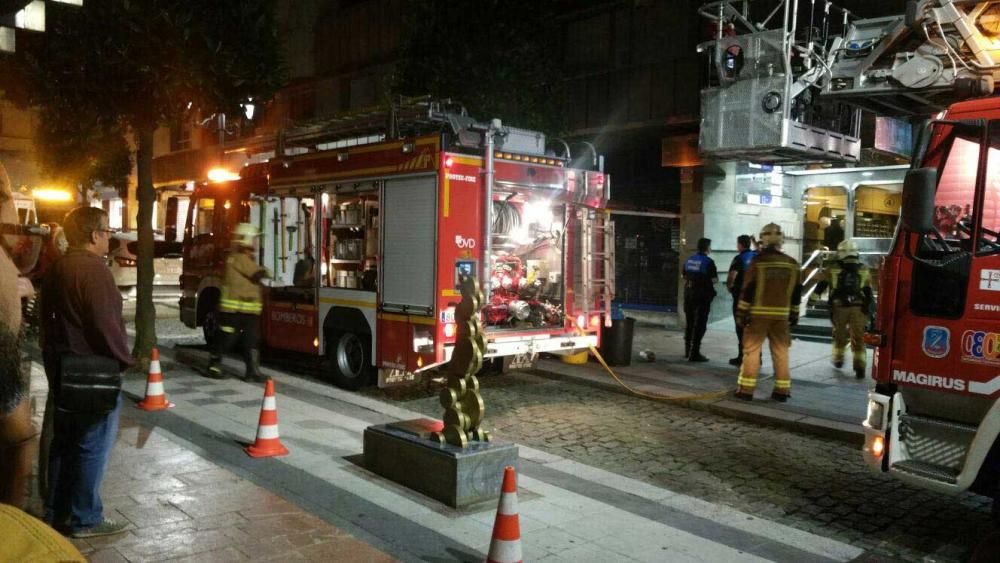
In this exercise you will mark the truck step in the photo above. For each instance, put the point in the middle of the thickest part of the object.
(927, 471)
(938, 423)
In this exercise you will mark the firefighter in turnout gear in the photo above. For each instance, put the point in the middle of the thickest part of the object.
(241, 304)
(700, 276)
(851, 302)
(768, 307)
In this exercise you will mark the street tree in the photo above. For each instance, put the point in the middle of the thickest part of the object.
(137, 65)
(500, 58)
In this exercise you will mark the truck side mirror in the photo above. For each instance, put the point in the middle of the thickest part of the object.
(917, 211)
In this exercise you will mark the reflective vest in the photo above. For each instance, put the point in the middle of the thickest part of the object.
(241, 290)
(772, 286)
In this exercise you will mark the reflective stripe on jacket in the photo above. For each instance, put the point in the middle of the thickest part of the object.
(241, 290)
(772, 286)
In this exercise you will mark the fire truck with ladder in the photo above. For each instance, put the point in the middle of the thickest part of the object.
(370, 220)
(933, 416)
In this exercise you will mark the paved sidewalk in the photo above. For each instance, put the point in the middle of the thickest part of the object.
(825, 400)
(568, 511)
(182, 506)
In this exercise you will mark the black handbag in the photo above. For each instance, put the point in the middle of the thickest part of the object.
(88, 384)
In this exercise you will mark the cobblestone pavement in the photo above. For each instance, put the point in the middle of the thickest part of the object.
(810, 483)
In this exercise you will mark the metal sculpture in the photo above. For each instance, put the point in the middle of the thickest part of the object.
(461, 400)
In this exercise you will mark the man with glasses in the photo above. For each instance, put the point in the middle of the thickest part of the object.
(81, 316)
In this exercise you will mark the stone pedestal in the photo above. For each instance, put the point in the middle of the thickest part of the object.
(402, 452)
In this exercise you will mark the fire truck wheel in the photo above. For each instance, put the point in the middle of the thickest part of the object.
(350, 355)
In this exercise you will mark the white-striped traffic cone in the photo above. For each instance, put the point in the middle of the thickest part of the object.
(268, 443)
(506, 544)
(156, 398)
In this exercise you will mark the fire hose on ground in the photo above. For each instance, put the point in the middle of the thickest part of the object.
(648, 395)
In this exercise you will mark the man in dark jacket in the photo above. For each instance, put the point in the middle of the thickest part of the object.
(700, 276)
(82, 315)
(734, 282)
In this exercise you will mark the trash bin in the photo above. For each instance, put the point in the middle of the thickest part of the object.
(616, 342)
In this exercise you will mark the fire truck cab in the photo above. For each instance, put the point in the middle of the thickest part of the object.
(366, 243)
(934, 418)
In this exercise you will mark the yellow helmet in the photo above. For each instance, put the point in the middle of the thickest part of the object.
(245, 233)
(771, 235)
(847, 251)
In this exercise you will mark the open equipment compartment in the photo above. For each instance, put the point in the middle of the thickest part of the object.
(527, 285)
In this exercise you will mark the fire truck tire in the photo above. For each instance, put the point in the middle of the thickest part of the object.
(350, 357)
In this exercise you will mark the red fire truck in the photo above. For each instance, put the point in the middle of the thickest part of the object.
(366, 238)
(934, 418)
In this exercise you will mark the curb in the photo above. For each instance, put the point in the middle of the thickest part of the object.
(755, 412)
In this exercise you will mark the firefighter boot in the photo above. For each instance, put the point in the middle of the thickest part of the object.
(687, 348)
(859, 372)
(214, 370)
(780, 397)
(253, 374)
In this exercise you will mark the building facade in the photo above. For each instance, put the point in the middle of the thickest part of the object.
(632, 81)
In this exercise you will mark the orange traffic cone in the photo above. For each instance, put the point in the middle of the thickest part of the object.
(156, 399)
(506, 544)
(268, 444)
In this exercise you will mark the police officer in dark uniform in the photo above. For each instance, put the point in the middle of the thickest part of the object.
(700, 277)
(734, 282)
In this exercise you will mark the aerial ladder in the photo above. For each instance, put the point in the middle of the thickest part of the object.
(789, 88)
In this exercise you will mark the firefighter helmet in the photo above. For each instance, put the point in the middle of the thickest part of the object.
(771, 235)
(245, 234)
(847, 251)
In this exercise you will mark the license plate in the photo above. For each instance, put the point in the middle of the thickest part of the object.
(521, 361)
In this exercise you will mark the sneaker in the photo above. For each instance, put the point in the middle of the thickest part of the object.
(743, 396)
(859, 373)
(107, 527)
(696, 357)
(737, 361)
(838, 364)
(214, 372)
(780, 397)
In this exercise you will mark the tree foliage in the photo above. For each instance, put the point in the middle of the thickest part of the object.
(132, 65)
(500, 58)
(146, 62)
(83, 152)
